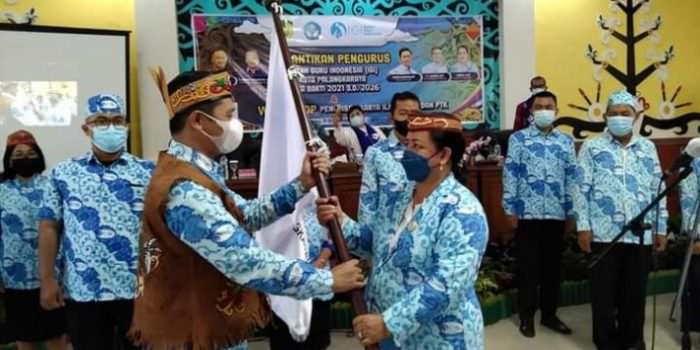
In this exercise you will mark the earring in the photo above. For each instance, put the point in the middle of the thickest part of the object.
(442, 167)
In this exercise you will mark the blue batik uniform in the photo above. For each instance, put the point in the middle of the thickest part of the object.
(616, 183)
(423, 273)
(198, 217)
(19, 236)
(539, 176)
(689, 195)
(100, 208)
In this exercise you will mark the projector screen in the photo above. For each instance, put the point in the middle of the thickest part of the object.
(46, 76)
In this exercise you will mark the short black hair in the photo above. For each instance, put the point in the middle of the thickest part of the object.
(9, 173)
(463, 47)
(402, 96)
(539, 77)
(178, 121)
(432, 51)
(455, 142)
(405, 49)
(352, 108)
(545, 94)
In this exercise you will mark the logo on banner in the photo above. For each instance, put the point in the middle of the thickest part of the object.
(312, 30)
(338, 30)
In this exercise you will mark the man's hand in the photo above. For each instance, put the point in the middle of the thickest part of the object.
(660, 243)
(323, 258)
(347, 276)
(320, 162)
(696, 248)
(370, 329)
(584, 240)
(327, 209)
(51, 295)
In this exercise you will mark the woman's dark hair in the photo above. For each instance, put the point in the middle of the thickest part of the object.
(177, 122)
(353, 108)
(9, 173)
(455, 142)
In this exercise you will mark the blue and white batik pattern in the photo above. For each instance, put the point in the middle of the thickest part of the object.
(198, 217)
(539, 176)
(422, 278)
(382, 172)
(100, 209)
(19, 235)
(616, 183)
(689, 195)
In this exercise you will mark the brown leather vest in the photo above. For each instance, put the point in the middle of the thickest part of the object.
(182, 301)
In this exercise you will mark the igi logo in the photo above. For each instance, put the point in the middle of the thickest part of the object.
(312, 30)
(338, 30)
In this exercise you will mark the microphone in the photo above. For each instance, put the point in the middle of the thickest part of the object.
(691, 151)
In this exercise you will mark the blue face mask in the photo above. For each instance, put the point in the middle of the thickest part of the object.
(109, 139)
(620, 125)
(416, 167)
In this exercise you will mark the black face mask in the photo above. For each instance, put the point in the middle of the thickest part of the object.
(401, 127)
(26, 167)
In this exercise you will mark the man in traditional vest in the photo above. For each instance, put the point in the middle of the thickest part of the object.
(199, 269)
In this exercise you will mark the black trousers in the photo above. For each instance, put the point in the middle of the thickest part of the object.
(618, 296)
(100, 325)
(690, 316)
(539, 244)
(319, 334)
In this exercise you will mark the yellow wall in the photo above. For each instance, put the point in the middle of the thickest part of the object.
(564, 28)
(96, 14)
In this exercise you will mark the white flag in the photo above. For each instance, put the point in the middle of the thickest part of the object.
(281, 160)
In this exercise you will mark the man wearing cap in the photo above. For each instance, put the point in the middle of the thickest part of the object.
(93, 209)
(619, 175)
(200, 271)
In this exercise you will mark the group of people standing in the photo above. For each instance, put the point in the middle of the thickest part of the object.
(118, 252)
(122, 253)
(548, 191)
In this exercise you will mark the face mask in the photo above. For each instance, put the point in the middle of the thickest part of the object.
(401, 127)
(416, 167)
(543, 118)
(231, 137)
(537, 90)
(26, 167)
(620, 125)
(357, 120)
(109, 139)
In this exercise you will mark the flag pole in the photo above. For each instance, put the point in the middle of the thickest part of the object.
(334, 228)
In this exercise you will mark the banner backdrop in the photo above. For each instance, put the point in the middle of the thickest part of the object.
(351, 60)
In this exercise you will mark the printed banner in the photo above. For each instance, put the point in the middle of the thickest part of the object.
(350, 60)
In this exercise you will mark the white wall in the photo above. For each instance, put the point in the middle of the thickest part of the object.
(156, 28)
(517, 55)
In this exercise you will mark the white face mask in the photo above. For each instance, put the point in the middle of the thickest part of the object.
(357, 120)
(537, 90)
(231, 137)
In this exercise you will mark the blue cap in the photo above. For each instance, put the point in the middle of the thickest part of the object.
(623, 97)
(104, 104)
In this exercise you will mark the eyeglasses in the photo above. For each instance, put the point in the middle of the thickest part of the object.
(101, 120)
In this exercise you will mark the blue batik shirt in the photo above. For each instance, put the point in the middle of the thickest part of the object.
(423, 272)
(689, 195)
(19, 236)
(539, 176)
(198, 217)
(100, 208)
(616, 183)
